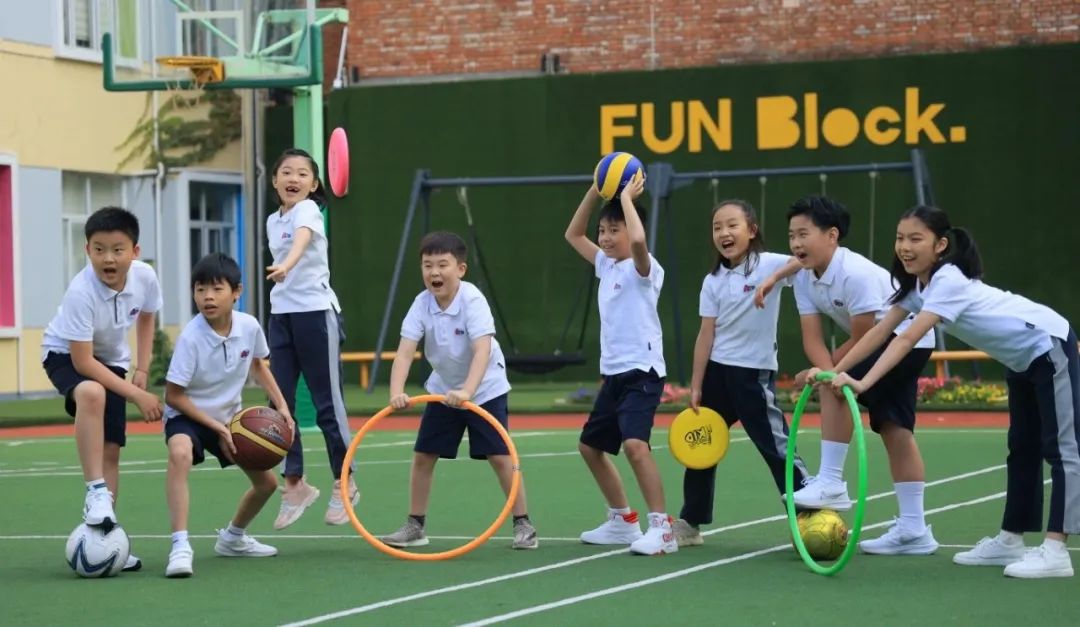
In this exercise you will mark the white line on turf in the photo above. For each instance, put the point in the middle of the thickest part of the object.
(689, 571)
(361, 609)
(310, 536)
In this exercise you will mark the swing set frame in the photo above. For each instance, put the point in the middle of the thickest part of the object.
(661, 183)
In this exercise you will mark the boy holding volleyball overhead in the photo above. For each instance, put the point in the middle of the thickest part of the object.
(631, 356)
(455, 322)
(210, 365)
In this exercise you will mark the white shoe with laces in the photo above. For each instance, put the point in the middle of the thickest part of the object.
(990, 552)
(98, 508)
(335, 509)
(1041, 562)
(896, 541)
(617, 529)
(228, 545)
(822, 494)
(658, 540)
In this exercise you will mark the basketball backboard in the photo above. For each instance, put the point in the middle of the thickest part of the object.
(248, 43)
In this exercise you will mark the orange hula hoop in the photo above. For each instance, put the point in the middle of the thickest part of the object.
(515, 484)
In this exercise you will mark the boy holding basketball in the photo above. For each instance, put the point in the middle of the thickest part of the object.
(213, 357)
(86, 356)
(455, 322)
(631, 359)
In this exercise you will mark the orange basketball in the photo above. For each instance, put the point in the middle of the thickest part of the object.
(261, 436)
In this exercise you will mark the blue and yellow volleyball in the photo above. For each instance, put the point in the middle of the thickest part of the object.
(613, 172)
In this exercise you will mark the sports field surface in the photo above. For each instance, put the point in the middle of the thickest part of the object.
(745, 574)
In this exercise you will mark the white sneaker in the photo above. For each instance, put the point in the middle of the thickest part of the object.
(335, 510)
(1041, 562)
(821, 494)
(658, 540)
(990, 552)
(686, 534)
(180, 559)
(132, 564)
(245, 546)
(617, 529)
(98, 508)
(897, 542)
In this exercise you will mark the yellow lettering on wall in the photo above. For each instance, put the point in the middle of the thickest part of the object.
(776, 126)
(872, 125)
(810, 116)
(916, 121)
(719, 129)
(609, 130)
(840, 127)
(648, 128)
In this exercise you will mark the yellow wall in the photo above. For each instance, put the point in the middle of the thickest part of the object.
(34, 379)
(63, 118)
(9, 371)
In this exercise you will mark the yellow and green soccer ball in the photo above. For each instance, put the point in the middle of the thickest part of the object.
(823, 533)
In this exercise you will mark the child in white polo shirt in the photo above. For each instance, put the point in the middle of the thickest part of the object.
(210, 365)
(305, 329)
(854, 291)
(938, 270)
(735, 357)
(632, 365)
(86, 355)
(455, 322)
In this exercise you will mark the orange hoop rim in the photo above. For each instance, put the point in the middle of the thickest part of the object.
(515, 484)
(188, 61)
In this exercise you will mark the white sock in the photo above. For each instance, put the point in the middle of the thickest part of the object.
(1054, 546)
(661, 516)
(180, 539)
(833, 455)
(1009, 538)
(620, 510)
(96, 484)
(909, 494)
(234, 531)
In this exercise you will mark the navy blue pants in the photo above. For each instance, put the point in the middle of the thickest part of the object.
(1044, 426)
(745, 395)
(309, 343)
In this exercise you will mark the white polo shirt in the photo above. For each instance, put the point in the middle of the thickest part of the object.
(307, 286)
(448, 341)
(1007, 326)
(92, 311)
(630, 333)
(745, 335)
(851, 285)
(213, 368)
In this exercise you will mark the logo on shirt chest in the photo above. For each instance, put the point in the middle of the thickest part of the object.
(286, 236)
(617, 287)
(244, 354)
(748, 288)
(839, 304)
(134, 312)
(459, 331)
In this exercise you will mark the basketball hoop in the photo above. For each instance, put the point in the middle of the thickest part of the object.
(204, 70)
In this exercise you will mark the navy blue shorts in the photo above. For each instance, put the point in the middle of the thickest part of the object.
(203, 438)
(442, 427)
(61, 371)
(892, 398)
(624, 409)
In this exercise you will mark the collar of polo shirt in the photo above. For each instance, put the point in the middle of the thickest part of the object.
(104, 291)
(209, 332)
(830, 273)
(452, 310)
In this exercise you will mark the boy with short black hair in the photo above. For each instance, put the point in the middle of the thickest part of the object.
(455, 322)
(86, 355)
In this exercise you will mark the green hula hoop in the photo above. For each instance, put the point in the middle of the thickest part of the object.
(789, 472)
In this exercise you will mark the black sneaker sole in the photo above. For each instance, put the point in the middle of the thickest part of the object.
(130, 569)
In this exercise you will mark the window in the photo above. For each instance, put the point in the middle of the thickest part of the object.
(83, 22)
(83, 194)
(213, 209)
(7, 248)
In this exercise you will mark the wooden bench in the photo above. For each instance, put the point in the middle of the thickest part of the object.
(940, 357)
(366, 358)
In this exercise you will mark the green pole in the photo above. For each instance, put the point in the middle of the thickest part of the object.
(308, 135)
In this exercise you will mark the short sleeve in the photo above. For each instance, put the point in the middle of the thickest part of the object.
(309, 216)
(182, 364)
(599, 263)
(862, 293)
(262, 350)
(76, 322)
(708, 307)
(772, 263)
(947, 294)
(153, 301)
(655, 278)
(478, 319)
(412, 327)
(803, 301)
(910, 302)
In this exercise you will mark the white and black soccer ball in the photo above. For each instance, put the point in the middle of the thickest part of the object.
(93, 552)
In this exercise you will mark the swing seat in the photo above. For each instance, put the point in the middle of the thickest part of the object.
(543, 363)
